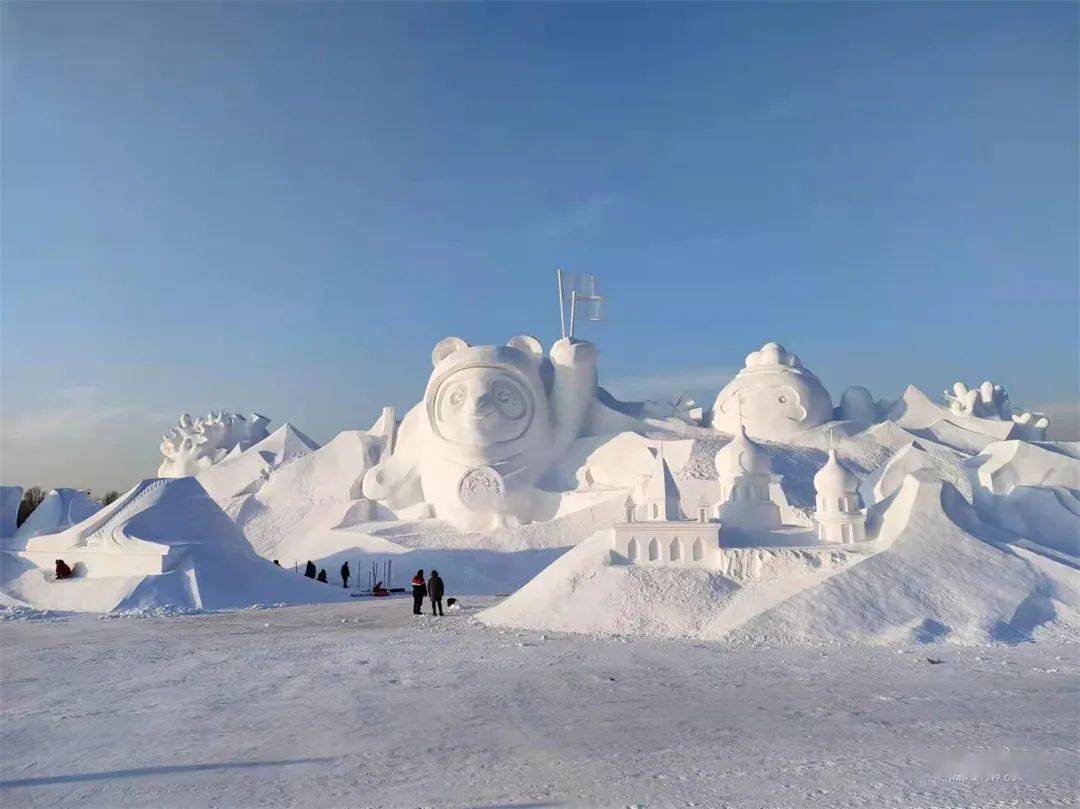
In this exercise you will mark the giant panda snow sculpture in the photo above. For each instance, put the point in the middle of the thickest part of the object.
(493, 420)
(774, 397)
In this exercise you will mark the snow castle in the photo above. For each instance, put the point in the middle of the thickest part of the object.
(745, 472)
(837, 498)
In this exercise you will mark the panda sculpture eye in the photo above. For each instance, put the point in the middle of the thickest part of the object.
(783, 399)
(457, 396)
(508, 399)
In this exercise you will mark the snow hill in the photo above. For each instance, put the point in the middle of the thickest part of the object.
(243, 471)
(60, 509)
(924, 579)
(163, 545)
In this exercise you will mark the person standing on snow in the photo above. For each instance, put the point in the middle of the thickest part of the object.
(435, 591)
(345, 574)
(419, 590)
(309, 570)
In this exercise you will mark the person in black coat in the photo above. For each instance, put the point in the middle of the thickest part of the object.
(322, 576)
(309, 570)
(419, 590)
(435, 591)
(345, 575)
(62, 570)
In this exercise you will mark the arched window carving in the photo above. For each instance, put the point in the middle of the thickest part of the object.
(699, 550)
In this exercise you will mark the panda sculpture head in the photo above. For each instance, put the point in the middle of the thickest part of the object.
(487, 400)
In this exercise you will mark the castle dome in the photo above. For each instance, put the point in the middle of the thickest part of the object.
(742, 456)
(835, 479)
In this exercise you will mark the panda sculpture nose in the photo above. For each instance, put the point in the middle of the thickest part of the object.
(480, 405)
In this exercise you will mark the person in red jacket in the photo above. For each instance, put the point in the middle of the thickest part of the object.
(419, 590)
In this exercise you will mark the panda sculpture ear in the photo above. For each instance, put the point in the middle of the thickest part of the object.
(527, 344)
(445, 347)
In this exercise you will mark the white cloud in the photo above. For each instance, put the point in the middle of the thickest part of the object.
(668, 386)
(75, 412)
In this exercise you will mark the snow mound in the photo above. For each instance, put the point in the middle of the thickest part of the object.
(924, 579)
(243, 472)
(1030, 490)
(164, 545)
(932, 582)
(314, 493)
(61, 509)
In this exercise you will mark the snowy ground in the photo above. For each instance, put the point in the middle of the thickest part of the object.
(359, 704)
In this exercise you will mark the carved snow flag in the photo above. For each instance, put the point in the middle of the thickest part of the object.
(586, 303)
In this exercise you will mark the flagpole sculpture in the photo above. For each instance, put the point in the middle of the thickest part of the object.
(582, 289)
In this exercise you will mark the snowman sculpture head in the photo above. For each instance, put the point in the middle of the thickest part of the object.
(774, 397)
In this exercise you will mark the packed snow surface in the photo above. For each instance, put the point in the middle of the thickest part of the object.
(361, 704)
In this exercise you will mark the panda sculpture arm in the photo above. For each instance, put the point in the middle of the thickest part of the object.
(396, 478)
(573, 388)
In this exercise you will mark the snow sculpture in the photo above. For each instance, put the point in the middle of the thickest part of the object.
(745, 473)
(779, 397)
(655, 497)
(857, 405)
(164, 543)
(655, 531)
(990, 401)
(493, 420)
(197, 444)
(883, 482)
(838, 516)
(61, 509)
(1029, 490)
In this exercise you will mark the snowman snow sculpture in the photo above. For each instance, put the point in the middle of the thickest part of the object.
(779, 397)
(493, 420)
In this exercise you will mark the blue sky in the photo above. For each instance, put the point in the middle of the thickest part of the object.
(281, 208)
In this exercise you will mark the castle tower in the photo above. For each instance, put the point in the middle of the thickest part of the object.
(838, 516)
(744, 470)
(656, 495)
